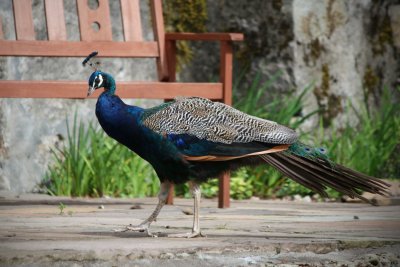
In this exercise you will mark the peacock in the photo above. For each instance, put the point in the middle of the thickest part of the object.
(192, 139)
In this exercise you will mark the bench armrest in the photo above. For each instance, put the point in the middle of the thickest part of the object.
(226, 55)
(204, 36)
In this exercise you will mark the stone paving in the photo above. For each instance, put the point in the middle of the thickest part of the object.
(251, 232)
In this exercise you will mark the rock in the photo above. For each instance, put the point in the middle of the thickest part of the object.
(392, 199)
(187, 211)
(297, 198)
(101, 207)
(394, 13)
(307, 199)
(350, 200)
(394, 189)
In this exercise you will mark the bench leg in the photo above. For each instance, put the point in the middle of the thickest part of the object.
(170, 198)
(224, 191)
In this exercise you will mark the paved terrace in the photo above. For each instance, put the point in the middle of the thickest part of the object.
(253, 232)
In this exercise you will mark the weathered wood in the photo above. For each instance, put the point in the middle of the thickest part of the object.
(130, 11)
(88, 17)
(55, 20)
(170, 197)
(205, 36)
(78, 89)
(224, 191)
(23, 20)
(171, 60)
(226, 56)
(159, 37)
(78, 49)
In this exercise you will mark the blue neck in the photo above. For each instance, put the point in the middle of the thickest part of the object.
(109, 85)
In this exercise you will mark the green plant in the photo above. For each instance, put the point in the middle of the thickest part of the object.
(92, 164)
(371, 147)
(241, 187)
(61, 207)
(264, 180)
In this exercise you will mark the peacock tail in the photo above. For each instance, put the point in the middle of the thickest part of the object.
(312, 168)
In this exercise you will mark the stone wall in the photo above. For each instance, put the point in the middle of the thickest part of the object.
(349, 50)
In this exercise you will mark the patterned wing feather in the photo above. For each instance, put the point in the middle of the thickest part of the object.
(216, 122)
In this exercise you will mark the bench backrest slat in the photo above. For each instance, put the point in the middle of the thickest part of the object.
(78, 49)
(159, 37)
(130, 10)
(55, 20)
(90, 19)
(23, 20)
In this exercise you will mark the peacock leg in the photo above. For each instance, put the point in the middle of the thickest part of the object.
(145, 225)
(195, 190)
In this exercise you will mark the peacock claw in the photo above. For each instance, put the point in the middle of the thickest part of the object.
(187, 235)
(136, 228)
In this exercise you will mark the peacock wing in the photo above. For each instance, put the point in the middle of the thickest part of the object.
(214, 122)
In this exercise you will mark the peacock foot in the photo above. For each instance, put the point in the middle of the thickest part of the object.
(187, 235)
(136, 228)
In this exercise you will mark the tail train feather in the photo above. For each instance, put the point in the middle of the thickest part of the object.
(318, 173)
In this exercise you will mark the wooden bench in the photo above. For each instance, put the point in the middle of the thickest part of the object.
(163, 49)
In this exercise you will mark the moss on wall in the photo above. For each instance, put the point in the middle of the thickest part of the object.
(330, 104)
(333, 17)
(314, 52)
(370, 81)
(185, 16)
(380, 32)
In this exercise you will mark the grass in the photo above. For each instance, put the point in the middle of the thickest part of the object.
(373, 146)
(92, 164)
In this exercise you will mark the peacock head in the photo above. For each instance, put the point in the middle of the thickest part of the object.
(96, 81)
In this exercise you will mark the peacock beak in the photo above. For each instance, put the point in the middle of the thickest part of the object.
(90, 91)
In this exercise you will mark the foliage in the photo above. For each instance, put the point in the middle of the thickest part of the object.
(92, 164)
(373, 146)
(241, 187)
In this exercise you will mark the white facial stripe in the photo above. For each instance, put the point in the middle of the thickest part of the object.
(94, 82)
(101, 80)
